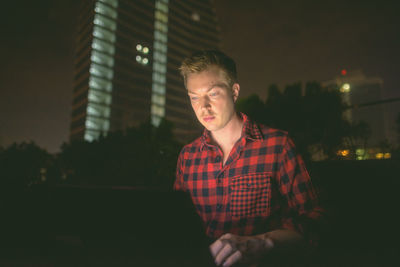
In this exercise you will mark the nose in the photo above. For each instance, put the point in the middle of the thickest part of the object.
(205, 102)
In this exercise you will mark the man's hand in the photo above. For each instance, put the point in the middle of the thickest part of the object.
(230, 249)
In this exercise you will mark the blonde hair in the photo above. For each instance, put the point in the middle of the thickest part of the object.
(204, 59)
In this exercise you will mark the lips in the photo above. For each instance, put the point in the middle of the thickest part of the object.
(208, 118)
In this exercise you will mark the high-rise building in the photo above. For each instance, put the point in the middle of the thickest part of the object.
(127, 58)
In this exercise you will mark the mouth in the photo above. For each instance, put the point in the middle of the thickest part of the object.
(208, 118)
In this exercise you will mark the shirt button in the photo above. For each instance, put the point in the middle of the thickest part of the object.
(219, 207)
(218, 159)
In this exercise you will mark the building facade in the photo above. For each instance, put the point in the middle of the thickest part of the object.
(127, 58)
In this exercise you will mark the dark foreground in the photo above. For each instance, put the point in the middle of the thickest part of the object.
(89, 226)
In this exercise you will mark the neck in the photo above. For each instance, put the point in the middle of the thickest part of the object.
(228, 135)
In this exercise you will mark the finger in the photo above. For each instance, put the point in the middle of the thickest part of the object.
(216, 247)
(226, 236)
(224, 253)
(232, 259)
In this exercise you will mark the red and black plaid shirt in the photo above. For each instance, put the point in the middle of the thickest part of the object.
(263, 185)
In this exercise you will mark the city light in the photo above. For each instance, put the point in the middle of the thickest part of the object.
(361, 154)
(343, 153)
(345, 88)
(195, 17)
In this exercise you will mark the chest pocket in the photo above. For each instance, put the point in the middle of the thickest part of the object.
(250, 195)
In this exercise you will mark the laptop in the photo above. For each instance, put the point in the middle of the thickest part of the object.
(125, 225)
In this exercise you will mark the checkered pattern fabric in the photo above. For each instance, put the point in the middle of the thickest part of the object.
(263, 185)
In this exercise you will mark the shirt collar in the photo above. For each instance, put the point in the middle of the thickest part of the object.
(250, 131)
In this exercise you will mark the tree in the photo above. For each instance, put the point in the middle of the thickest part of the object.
(142, 156)
(356, 137)
(24, 164)
(253, 106)
(398, 128)
(314, 120)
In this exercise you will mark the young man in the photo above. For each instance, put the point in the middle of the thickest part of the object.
(247, 183)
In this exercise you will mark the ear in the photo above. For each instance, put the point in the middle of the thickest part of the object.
(235, 91)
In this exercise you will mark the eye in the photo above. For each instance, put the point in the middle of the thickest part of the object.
(194, 98)
(213, 94)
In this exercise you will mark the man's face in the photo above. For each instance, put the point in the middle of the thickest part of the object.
(212, 98)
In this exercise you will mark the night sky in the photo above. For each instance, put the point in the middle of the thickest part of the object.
(278, 42)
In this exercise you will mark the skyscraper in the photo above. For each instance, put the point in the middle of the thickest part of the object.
(127, 58)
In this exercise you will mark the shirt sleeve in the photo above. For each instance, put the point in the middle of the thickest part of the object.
(303, 212)
(179, 182)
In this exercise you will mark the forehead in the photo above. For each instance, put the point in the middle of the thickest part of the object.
(212, 75)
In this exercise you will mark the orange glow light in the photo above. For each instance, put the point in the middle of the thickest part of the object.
(343, 153)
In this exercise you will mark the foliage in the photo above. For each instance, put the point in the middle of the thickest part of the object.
(24, 164)
(314, 120)
(356, 136)
(143, 156)
(398, 128)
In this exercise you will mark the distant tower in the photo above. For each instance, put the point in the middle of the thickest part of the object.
(127, 57)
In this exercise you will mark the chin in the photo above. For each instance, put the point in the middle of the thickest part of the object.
(212, 128)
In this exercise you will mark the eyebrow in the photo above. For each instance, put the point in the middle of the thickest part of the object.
(211, 87)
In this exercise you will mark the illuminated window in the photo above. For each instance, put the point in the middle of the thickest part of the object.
(162, 27)
(379, 155)
(102, 58)
(159, 89)
(113, 3)
(387, 155)
(155, 120)
(159, 77)
(159, 36)
(99, 97)
(161, 68)
(162, 6)
(98, 110)
(104, 34)
(105, 22)
(161, 16)
(343, 153)
(157, 110)
(158, 99)
(106, 10)
(160, 57)
(100, 84)
(95, 123)
(196, 17)
(101, 71)
(160, 47)
(102, 46)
